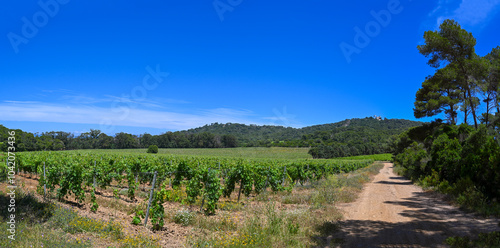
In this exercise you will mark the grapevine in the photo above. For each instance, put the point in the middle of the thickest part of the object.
(70, 173)
(94, 204)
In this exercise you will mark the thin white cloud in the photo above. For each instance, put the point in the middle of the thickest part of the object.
(468, 13)
(132, 102)
(222, 112)
(82, 99)
(440, 6)
(109, 118)
(473, 12)
(77, 98)
(283, 118)
(21, 102)
(58, 91)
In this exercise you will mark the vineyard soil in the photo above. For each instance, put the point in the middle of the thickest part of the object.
(172, 236)
(392, 212)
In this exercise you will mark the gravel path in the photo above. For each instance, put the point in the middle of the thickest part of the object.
(392, 212)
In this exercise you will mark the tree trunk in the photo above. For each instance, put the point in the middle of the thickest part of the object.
(465, 108)
(472, 108)
(487, 110)
(452, 114)
(497, 103)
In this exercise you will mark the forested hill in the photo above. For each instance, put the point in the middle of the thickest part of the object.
(345, 138)
(350, 131)
(369, 122)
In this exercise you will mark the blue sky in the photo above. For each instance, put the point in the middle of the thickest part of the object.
(157, 66)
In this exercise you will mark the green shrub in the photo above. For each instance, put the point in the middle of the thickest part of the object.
(485, 240)
(445, 153)
(177, 194)
(471, 198)
(184, 217)
(457, 160)
(481, 161)
(3, 171)
(430, 181)
(414, 159)
(139, 214)
(153, 149)
(445, 187)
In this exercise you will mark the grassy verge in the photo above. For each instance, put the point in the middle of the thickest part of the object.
(46, 224)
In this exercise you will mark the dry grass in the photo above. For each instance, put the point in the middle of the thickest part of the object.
(282, 219)
(42, 223)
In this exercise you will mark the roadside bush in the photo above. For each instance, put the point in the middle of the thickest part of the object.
(414, 159)
(457, 160)
(153, 149)
(446, 155)
(471, 198)
(431, 180)
(481, 161)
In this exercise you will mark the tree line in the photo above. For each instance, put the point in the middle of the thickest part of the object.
(359, 136)
(95, 139)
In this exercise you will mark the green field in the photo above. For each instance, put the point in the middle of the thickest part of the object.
(376, 157)
(240, 152)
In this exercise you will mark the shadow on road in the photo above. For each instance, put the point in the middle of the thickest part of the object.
(398, 178)
(366, 233)
(432, 221)
(395, 183)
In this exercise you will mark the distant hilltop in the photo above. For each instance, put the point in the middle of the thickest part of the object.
(268, 135)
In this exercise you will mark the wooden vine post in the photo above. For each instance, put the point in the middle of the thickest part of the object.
(44, 181)
(150, 199)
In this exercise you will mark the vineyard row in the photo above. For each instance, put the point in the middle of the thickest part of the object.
(203, 177)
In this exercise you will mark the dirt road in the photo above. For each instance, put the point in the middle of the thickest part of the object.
(392, 212)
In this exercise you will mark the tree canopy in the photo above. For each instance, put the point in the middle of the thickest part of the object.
(462, 80)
